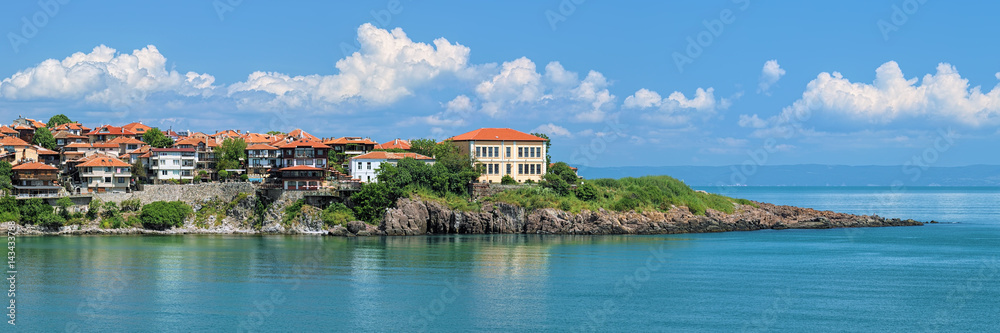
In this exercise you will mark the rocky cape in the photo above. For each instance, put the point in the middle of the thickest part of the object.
(413, 217)
(422, 217)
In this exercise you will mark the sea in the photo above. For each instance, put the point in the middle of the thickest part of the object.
(940, 277)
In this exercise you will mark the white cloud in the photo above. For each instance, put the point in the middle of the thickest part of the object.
(460, 104)
(553, 130)
(891, 97)
(752, 121)
(517, 83)
(677, 108)
(105, 76)
(769, 75)
(387, 68)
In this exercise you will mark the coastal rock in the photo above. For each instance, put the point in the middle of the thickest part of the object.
(419, 217)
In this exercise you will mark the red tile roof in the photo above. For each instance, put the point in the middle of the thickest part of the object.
(77, 145)
(12, 141)
(23, 127)
(137, 128)
(36, 123)
(261, 147)
(66, 135)
(126, 140)
(384, 155)
(346, 140)
(43, 151)
(395, 144)
(104, 145)
(305, 143)
(110, 130)
(301, 168)
(496, 134)
(71, 126)
(300, 134)
(8, 130)
(33, 166)
(194, 141)
(104, 161)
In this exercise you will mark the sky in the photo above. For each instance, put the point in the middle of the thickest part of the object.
(622, 83)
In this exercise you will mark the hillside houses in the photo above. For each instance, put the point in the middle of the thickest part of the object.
(111, 158)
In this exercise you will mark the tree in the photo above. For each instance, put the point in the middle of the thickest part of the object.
(223, 174)
(5, 174)
(9, 211)
(230, 152)
(372, 201)
(154, 137)
(64, 204)
(57, 120)
(548, 146)
(139, 170)
(423, 146)
(507, 180)
(43, 137)
(564, 171)
(275, 133)
(161, 215)
(556, 183)
(586, 192)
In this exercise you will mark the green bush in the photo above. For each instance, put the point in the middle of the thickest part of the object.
(507, 180)
(292, 211)
(131, 205)
(110, 209)
(64, 204)
(161, 215)
(337, 214)
(9, 209)
(586, 192)
(94, 208)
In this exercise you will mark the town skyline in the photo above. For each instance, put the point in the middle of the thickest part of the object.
(851, 84)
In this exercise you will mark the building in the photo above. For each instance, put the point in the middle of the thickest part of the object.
(395, 144)
(304, 152)
(365, 167)
(204, 147)
(7, 131)
(138, 128)
(302, 178)
(108, 132)
(64, 138)
(168, 164)
(261, 158)
(21, 120)
(126, 144)
(35, 180)
(47, 156)
(503, 151)
(348, 147)
(300, 134)
(17, 150)
(75, 128)
(105, 174)
(25, 132)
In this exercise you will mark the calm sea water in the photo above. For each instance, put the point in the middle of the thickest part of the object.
(943, 277)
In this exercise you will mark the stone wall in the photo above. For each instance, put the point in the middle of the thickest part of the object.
(480, 190)
(186, 193)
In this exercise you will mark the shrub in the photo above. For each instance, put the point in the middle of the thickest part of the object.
(337, 214)
(131, 205)
(110, 209)
(586, 192)
(161, 215)
(93, 208)
(50, 221)
(556, 183)
(64, 204)
(292, 211)
(507, 180)
(9, 210)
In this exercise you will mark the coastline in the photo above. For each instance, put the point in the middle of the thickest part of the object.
(422, 217)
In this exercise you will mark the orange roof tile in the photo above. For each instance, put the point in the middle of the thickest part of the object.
(36, 123)
(33, 166)
(305, 143)
(110, 130)
(384, 155)
(77, 145)
(7, 129)
(126, 140)
(104, 145)
(44, 151)
(137, 128)
(66, 135)
(71, 126)
(395, 144)
(298, 133)
(261, 147)
(23, 127)
(104, 161)
(12, 141)
(346, 140)
(496, 134)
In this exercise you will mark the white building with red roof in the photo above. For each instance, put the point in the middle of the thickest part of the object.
(104, 173)
(503, 151)
(365, 167)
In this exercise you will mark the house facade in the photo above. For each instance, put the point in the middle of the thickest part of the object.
(504, 151)
(167, 164)
(35, 180)
(261, 159)
(365, 167)
(304, 152)
(302, 178)
(105, 174)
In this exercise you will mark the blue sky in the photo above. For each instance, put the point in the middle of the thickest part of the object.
(807, 82)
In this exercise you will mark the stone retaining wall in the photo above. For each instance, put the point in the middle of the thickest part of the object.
(186, 193)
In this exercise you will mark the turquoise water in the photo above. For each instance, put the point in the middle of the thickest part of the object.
(941, 277)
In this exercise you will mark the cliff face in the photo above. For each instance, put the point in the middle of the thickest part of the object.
(417, 217)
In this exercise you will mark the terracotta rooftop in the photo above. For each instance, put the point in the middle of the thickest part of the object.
(137, 128)
(12, 141)
(110, 130)
(261, 147)
(395, 144)
(7, 130)
(71, 126)
(77, 145)
(384, 155)
(126, 140)
(104, 161)
(305, 143)
(300, 134)
(496, 134)
(345, 140)
(23, 127)
(34, 166)
(66, 135)
(44, 151)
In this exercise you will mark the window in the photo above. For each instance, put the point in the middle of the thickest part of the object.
(107, 179)
(479, 151)
(489, 169)
(539, 168)
(369, 165)
(520, 151)
(508, 153)
(508, 168)
(359, 165)
(531, 152)
(496, 168)
(520, 169)
(121, 180)
(163, 173)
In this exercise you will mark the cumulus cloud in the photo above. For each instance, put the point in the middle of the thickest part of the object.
(460, 104)
(769, 75)
(387, 68)
(517, 83)
(944, 95)
(105, 76)
(752, 121)
(553, 130)
(676, 108)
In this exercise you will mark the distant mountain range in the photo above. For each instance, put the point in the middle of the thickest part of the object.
(811, 175)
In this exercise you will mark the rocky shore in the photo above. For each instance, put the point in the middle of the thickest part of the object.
(415, 217)
(421, 217)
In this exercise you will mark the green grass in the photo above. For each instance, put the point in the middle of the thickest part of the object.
(651, 193)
